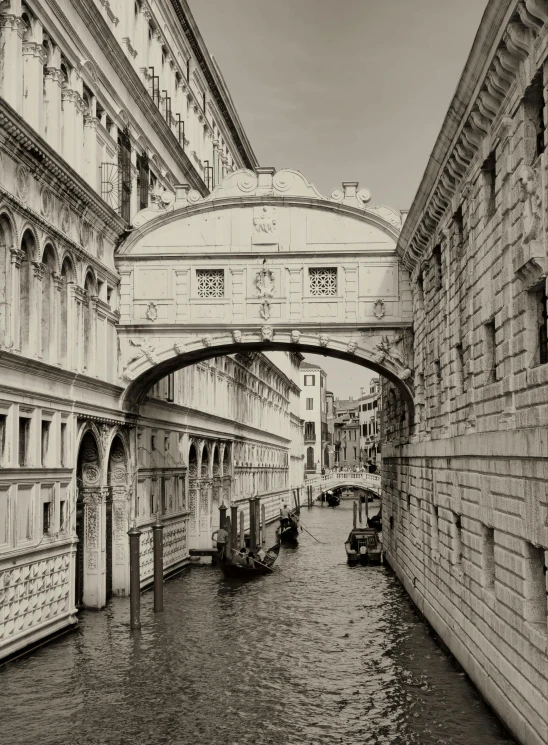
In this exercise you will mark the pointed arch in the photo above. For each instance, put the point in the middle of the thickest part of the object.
(7, 236)
(48, 303)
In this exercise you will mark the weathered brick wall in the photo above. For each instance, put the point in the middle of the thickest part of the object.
(466, 505)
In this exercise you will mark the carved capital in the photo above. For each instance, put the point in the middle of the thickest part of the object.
(39, 269)
(17, 256)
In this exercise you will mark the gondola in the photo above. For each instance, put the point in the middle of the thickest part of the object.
(251, 567)
(289, 532)
(376, 521)
(333, 500)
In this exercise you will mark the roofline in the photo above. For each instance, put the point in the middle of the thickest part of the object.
(488, 36)
(216, 82)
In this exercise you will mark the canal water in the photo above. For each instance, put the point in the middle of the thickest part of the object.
(317, 653)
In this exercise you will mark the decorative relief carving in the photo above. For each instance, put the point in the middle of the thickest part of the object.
(267, 333)
(352, 346)
(237, 336)
(295, 337)
(100, 246)
(532, 202)
(152, 311)
(33, 593)
(65, 219)
(264, 282)
(46, 202)
(207, 340)
(22, 178)
(379, 308)
(264, 221)
(324, 340)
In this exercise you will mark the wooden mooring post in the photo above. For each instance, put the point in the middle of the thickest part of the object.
(263, 523)
(252, 526)
(158, 549)
(355, 515)
(233, 529)
(360, 510)
(242, 529)
(134, 578)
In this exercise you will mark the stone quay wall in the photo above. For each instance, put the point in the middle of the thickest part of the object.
(465, 484)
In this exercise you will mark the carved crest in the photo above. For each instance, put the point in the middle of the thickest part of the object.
(152, 311)
(379, 308)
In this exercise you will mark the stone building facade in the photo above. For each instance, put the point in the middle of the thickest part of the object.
(104, 108)
(313, 382)
(466, 507)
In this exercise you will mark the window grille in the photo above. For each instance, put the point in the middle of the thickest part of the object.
(323, 281)
(154, 89)
(211, 282)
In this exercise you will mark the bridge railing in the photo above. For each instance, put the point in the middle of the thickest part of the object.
(327, 480)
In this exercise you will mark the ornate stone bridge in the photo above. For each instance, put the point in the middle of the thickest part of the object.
(263, 262)
(342, 479)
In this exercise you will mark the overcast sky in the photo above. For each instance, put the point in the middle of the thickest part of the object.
(342, 90)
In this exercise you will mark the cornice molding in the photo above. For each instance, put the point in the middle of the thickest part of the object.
(129, 78)
(215, 82)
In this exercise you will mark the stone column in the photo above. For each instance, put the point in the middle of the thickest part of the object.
(55, 330)
(69, 99)
(121, 498)
(142, 42)
(35, 320)
(34, 59)
(13, 331)
(92, 351)
(52, 107)
(75, 353)
(90, 170)
(94, 546)
(11, 57)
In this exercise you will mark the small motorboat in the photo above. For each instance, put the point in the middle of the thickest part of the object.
(244, 565)
(333, 500)
(288, 530)
(364, 546)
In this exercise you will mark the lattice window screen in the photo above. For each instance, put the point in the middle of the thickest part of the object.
(211, 282)
(323, 281)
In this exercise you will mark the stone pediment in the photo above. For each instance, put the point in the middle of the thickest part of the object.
(265, 185)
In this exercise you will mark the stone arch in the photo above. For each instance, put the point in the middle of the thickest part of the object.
(68, 277)
(192, 460)
(7, 236)
(116, 517)
(151, 366)
(49, 303)
(205, 460)
(88, 316)
(89, 513)
(29, 247)
(215, 460)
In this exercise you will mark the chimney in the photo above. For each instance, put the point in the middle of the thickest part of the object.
(350, 398)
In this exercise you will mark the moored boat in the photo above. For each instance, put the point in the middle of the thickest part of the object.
(364, 544)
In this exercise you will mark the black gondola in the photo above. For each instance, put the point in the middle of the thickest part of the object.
(376, 521)
(288, 530)
(333, 500)
(245, 567)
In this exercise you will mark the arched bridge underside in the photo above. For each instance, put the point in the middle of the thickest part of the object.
(264, 262)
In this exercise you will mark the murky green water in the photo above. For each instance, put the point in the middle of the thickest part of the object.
(316, 653)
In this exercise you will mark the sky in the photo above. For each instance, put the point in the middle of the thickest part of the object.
(342, 90)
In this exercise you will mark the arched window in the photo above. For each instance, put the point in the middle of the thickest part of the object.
(67, 277)
(6, 242)
(28, 247)
(48, 305)
(88, 318)
(310, 465)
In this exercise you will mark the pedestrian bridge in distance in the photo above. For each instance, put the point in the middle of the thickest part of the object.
(264, 262)
(342, 479)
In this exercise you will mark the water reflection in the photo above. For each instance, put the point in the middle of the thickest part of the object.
(317, 653)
